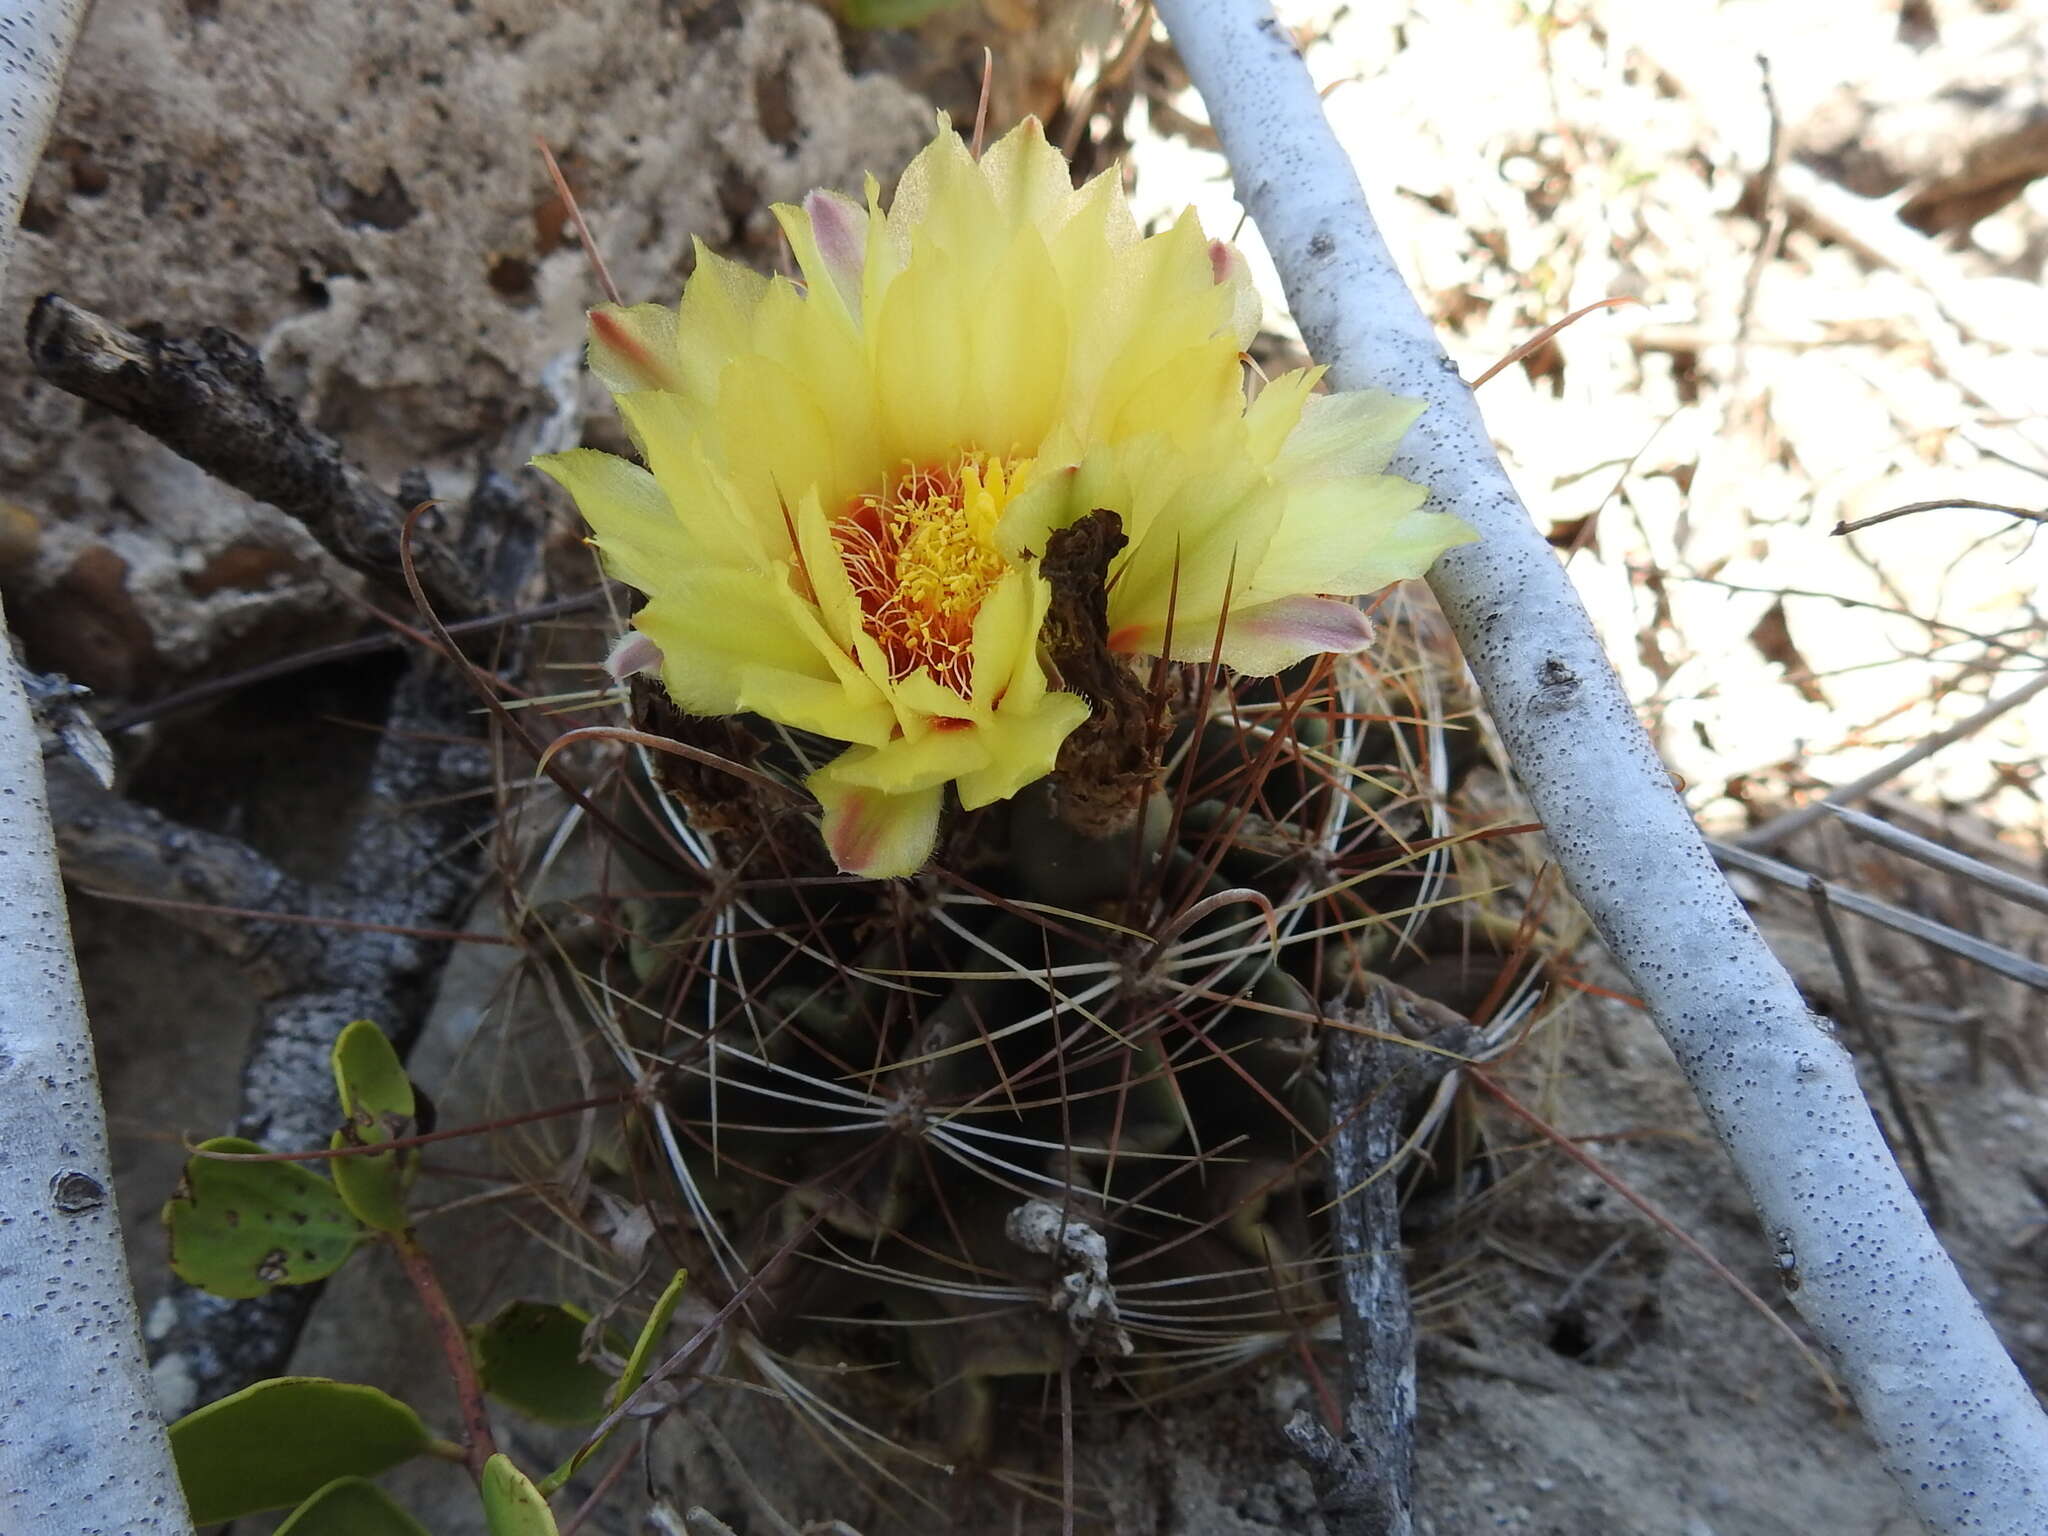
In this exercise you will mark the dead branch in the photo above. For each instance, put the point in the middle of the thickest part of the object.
(2028, 893)
(2027, 514)
(208, 400)
(1367, 1479)
(1967, 946)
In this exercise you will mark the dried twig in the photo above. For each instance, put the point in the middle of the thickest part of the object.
(1876, 1039)
(1776, 830)
(1367, 1480)
(2028, 893)
(2025, 513)
(209, 401)
(1957, 1424)
(342, 650)
(1966, 945)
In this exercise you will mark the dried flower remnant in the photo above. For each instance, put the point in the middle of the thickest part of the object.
(849, 481)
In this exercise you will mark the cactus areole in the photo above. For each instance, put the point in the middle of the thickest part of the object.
(848, 484)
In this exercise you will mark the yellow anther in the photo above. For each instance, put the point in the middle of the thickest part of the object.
(922, 560)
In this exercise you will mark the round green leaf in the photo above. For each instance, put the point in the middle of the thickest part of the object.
(528, 1357)
(377, 1097)
(237, 1229)
(276, 1444)
(512, 1505)
(348, 1506)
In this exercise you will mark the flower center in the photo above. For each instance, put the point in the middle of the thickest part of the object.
(922, 559)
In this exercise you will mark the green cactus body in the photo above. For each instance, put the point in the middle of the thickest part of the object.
(905, 1115)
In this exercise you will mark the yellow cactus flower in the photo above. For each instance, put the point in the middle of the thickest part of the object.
(848, 481)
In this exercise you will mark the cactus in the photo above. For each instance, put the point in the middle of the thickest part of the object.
(1020, 791)
(1058, 1098)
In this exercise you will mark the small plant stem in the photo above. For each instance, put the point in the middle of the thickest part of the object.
(425, 1138)
(478, 1445)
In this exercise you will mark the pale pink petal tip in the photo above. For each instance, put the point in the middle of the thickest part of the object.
(1306, 626)
(1224, 259)
(839, 225)
(633, 654)
(879, 836)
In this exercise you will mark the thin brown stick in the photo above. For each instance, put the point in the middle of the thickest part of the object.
(1876, 1039)
(2028, 893)
(1962, 502)
(988, 80)
(590, 250)
(1779, 828)
(310, 919)
(2027, 972)
(477, 1441)
(1551, 330)
(425, 1138)
(343, 650)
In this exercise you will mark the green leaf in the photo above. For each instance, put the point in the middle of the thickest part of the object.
(528, 1356)
(893, 13)
(237, 1229)
(377, 1097)
(348, 1506)
(650, 1336)
(278, 1443)
(512, 1505)
(629, 1380)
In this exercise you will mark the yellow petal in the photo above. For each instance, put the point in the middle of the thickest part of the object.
(715, 321)
(1271, 418)
(824, 355)
(629, 516)
(1354, 535)
(921, 699)
(720, 529)
(1023, 745)
(828, 708)
(778, 443)
(900, 766)
(1354, 433)
(943, 197)
(921, 373)
(1233, 274)
(727, 637)
(870, 833)
(1184, 398)
(1029, 179)
(829, 237)
(1000, 633)
(1270, 637)
(635, 348)
(825, 569)
(1017, 351)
